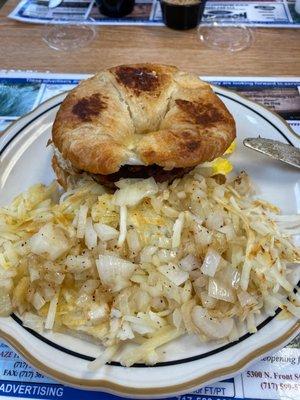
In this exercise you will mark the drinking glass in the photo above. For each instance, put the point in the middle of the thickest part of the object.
(68, 36)
(215, 35)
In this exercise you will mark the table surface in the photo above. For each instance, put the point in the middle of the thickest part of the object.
(275, 52)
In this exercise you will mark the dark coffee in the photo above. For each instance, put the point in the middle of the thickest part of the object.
(115, 8)
(182, 14)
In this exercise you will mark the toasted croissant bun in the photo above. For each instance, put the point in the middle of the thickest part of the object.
(140, 115)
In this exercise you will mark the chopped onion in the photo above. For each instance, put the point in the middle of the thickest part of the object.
(90, 235)
(78, 263)
(38, 301)
(234, 334)
(142, 300)
(174, 273)
(158, 321)
(22, 248)
(34, 274)
(5, 304)
(154, 291)
(229, 275)
(158, 303)
(10, 253)
(186, 310)
(48, 292)
(214, 220)
(125, 332)
(245, 275)
(213, 328)
(83, 300)
(207, 301)
(6, 284)
(33, 321)
(260, 227)
(181, 195)
(246, 299)
(165, 255)
(54, 277)
(196, 273)
(163, 242)
(98, 313)
(105, 357)
(186, 291)
(81, 221)
(123, 225)
(89, 286)
(177, 318)
(106, 232)
(189, 263)
(219, 191)
(280, 278)
(220, 291)
(115, 313)
(177, 229)
(147, 253)
(202, 236)
(50, 241)
(8, 273)
(51, 312)
(199, 284)
(151, 358)
(271, 304)
(162, 336)
(211, 262)
(169, 211)
(114, 271)
(133, 241)
(140, 325)
(131, 193)
(251, 326)
(293, 309)
(228, 230)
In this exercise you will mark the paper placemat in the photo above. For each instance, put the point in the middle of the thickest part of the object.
(21, 92)
(275, 377)
(263, 13)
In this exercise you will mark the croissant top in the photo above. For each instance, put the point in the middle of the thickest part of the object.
(141, 114)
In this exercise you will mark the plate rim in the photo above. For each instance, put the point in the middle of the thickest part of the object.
(108, 385)
(99, 384)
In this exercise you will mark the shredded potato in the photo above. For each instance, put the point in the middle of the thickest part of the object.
(149, 263)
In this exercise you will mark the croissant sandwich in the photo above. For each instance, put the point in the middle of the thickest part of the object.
(136, 121)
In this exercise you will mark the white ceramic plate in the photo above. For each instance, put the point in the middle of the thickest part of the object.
(187, 364)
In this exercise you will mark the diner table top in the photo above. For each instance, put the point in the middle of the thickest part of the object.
(275, 52)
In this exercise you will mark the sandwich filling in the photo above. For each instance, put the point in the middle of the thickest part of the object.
(126, 171)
